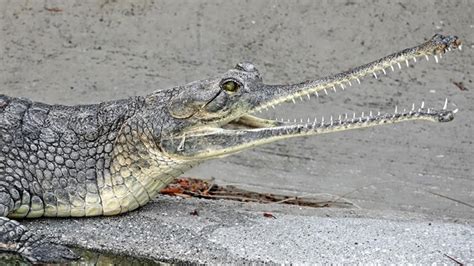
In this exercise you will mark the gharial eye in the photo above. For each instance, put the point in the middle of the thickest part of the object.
(230, 86)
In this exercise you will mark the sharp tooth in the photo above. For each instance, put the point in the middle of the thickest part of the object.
(429, 110)
(334, 88)
(391, 66)
(460, 47)
(396, 108)
(292, 99)
(316, 93)
(301, 98)
(322, 121)
(370, 113)
(301, 120)
(413, 107)
(353, 116)
(350, 84)
(342, 86)
(445, 104)
(422, 105)
(360, 119)
(308, 121)
(345, 116)
(427, 57)
(399, 66)
(455, 110)
(440, 56)
(406, 61)
(309, 97)
(378, 113)
(358, 80)
(340, 116)
(384, 72)
(325, 91)
(294, 120)
(375, 75)
(272, 106)
(414, 59)
(436, 58)
(315, 121)
(449, 49)
(331, 120)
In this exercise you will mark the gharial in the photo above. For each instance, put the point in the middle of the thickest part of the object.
(113, 157)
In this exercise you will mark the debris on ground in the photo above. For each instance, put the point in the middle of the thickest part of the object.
(269, 215)
(192, 187)
(460, 85)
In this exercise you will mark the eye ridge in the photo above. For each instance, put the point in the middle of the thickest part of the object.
(230, 85)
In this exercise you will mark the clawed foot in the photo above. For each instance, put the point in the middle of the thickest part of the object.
(47, 252)
(15, 238)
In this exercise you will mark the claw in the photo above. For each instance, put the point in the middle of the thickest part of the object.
(48, 252)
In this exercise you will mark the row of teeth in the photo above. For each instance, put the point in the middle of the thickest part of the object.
(346, 118)
(349, 83)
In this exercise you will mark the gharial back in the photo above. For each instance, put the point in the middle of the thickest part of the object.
(55, 160)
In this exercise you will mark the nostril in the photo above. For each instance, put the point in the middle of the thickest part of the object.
(446, 116)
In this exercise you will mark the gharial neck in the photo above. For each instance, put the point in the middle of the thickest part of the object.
(138, 169)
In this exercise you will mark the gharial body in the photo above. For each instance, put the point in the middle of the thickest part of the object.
(113, 157)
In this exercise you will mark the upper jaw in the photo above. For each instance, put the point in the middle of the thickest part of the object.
(271, 95)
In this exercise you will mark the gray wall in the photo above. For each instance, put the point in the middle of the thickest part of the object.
(75, 52)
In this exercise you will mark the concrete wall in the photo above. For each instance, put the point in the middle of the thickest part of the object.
(76, 52)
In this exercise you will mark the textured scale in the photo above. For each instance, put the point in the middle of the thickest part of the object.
(76, 161)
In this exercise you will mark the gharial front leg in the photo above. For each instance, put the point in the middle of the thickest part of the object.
(16, 238)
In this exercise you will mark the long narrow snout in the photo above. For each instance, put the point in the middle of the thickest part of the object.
(271, 95)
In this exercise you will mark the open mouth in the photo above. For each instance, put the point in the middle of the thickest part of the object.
(433, 50)
(248, 130)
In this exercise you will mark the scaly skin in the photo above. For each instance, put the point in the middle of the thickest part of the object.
(113, 157)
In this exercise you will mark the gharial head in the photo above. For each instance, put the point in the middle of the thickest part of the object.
(220, 100)
(215, 115)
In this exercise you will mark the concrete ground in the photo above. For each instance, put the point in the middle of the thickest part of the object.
(75, 52)
(235, 233)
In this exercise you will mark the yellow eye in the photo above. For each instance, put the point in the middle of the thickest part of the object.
(230, 86)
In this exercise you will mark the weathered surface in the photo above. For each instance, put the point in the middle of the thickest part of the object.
(101, 50)
(232, 232)
(444, 167)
